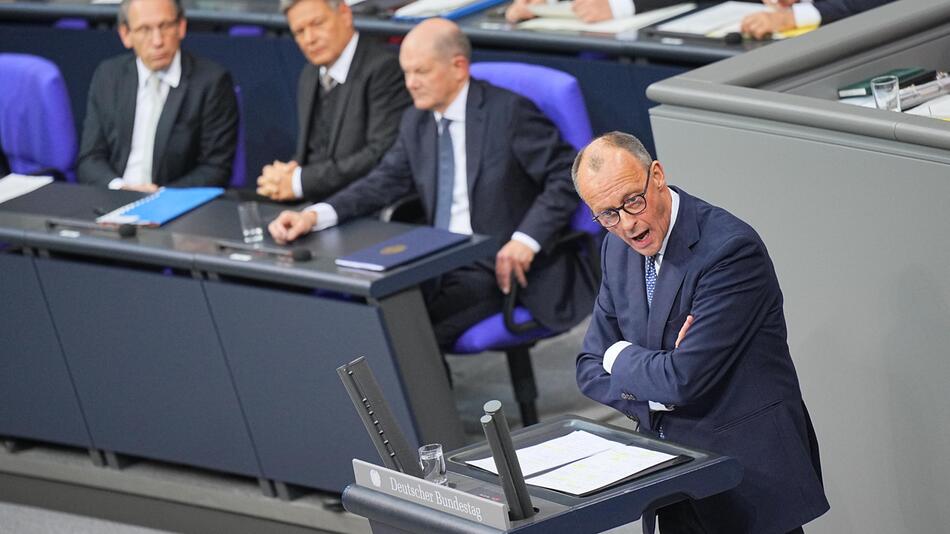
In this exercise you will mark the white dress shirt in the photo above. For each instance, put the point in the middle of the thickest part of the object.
(135, 167)
(611, 354)
(338, 71)
(805, 14)
(461, 219)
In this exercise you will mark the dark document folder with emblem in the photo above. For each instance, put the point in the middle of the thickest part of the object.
(403, 248)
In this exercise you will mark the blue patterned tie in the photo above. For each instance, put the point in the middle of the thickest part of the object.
(650, 278)
(443, 200)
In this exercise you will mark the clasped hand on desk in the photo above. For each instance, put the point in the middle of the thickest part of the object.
(276, 181)
(763, 24)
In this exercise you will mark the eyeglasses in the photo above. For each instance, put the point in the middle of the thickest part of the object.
(164, 28)
(633, 205)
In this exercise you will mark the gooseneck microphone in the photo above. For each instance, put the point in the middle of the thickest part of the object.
(123, 230)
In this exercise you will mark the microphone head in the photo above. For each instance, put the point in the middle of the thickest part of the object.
(733, 38)
(301, 254)
(127, 230)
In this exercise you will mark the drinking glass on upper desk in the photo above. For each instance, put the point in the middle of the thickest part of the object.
(251, 227)
(887, 93)
(433, 463)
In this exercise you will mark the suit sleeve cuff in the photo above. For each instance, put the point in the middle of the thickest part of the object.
(805, 15)
(117, 183)
(622, 8)
(611, 355)
(326, 216)
(527, 241)
(295, 184)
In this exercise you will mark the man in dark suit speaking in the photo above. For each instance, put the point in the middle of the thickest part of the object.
(161, 116)
(482, 160)
(349, 99)
(688, 339)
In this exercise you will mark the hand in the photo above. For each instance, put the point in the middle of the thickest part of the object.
(276, 181)
(144, 188)
(592, 10)
(761, 25)
(683, 329)
(290, 225)
(518, 10)
(515, 257)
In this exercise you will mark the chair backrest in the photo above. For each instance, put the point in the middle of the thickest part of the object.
(558, 95)
(36, 120)
(239, 167)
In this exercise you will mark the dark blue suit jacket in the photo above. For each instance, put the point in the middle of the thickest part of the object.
(732, 379)
(832, 10)
(518, 171)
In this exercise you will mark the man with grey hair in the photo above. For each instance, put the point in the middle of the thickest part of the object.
(350, 96)
(160, 116)
(688, 340)
(482, 160)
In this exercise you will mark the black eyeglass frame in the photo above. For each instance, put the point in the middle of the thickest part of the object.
(623, 207)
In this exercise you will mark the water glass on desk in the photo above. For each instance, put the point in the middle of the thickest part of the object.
(433, 463)
(251, 226)
(886, 91)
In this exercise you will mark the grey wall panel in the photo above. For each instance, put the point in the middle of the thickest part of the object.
(147, 365)
(284, 349)
(37, 399)
(857, 228)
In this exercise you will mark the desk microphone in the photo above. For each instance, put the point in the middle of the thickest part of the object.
(124, 229)
(297, 254)
(732, 38)
(503, 453)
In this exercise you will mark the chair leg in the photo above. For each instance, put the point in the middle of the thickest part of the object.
(522, 380)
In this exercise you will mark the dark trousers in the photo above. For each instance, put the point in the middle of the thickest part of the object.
(459, 299)
(681, 518)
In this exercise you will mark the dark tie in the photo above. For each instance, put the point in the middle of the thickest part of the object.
(650, 278)
(443, 201)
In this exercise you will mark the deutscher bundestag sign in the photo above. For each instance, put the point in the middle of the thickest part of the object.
(425, 493)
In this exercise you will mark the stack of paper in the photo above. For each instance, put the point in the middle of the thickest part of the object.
(555, 18)
(14, 185)
(581, 463)
(450, 9)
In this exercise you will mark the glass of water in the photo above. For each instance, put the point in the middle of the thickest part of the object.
(433, 463)
(887, 93)
(250, 217)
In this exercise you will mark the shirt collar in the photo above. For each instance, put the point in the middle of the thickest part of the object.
(674, 210)
(171, 75)
(456, 110)
(341, 67)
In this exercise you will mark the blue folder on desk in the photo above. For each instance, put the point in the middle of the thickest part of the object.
(161, 206)
(424, 9)
(401, 249)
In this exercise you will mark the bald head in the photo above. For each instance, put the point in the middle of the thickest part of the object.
(434, 58)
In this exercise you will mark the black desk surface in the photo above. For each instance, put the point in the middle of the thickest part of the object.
(485, 29)
(199, 239)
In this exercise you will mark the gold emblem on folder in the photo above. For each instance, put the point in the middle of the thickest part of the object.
(392, 249)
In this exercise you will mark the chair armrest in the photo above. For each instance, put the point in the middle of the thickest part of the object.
(508, 311)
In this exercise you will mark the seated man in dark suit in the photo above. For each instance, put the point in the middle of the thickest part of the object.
(688, 339)
(483, 160)
(349, 100)
(161, 116)
(791, 14)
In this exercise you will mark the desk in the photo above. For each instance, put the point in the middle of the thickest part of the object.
(160, 346)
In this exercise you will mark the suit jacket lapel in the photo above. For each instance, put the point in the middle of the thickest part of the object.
(308, 88)
(673, 270)
(176, 95)
(427, 177)
(125, 110)
(475, 132)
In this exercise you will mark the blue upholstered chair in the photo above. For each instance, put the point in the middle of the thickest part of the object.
(36, 120)
(239, 166)
(513, 330)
